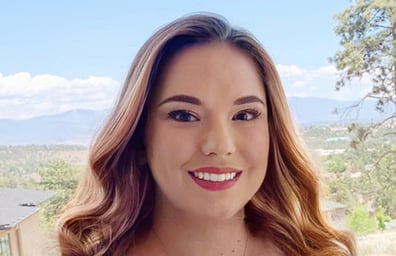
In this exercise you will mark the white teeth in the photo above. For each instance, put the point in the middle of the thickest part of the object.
(214, 177)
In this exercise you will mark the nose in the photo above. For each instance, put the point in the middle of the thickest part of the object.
(218, 139)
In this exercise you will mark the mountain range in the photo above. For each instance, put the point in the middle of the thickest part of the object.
(78, 126)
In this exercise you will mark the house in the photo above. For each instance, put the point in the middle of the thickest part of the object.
(20, 231)
(335, 212)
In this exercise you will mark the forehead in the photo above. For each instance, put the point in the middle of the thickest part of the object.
(205, 69)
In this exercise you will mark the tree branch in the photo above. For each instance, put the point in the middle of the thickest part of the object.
(380, 159)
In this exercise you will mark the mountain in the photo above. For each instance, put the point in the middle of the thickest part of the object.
(78, 126)
(321, 111)
(72, 127)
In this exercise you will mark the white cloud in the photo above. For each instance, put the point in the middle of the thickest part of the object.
(290, 71)
(23, 95)
(299, 84)
(320, 82)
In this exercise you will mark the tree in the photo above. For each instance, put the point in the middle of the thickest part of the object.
(62, 178)
(368, 40)
(335, 163)
(341, 190)
(382, 219)
(361, 222)
(385, 175)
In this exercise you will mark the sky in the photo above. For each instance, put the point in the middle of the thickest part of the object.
(57, 56)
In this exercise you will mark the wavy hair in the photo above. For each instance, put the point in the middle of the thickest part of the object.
(113, 204)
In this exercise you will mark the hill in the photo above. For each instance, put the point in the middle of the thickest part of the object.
(72, 127)
(78, 126)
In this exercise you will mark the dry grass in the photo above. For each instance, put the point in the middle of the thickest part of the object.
(381, 244)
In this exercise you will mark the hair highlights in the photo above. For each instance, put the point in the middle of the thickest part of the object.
(113, 203)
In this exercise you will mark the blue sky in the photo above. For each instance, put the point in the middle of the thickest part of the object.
(78, 52)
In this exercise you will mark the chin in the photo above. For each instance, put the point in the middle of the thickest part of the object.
(221, 213)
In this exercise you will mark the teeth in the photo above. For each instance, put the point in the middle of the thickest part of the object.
(215, 177)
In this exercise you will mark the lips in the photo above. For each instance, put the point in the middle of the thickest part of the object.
(214, 178)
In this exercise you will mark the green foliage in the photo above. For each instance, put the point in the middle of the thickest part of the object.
(369, 176)
(367, 31)
(25, 160)
(340, 191)
(360, 221)
(62, 178)
(385, 174)
(19, 164)
(382, 219)
(368, 39)
(335, 163)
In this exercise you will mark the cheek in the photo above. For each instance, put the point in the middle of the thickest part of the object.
(168, 149)
(255, 153)
(256, 146)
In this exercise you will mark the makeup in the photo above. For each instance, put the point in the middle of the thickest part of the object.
(215, 178)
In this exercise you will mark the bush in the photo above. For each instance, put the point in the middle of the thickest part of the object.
(382, 219)
(361, 222)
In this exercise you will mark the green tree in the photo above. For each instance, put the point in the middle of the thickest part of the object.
(341, 190)
(382, 219)
(62, 178)
(385, 175)
(361, 222)
(335, 163)
(367, 29)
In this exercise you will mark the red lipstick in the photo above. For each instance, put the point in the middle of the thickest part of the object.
(215, 178)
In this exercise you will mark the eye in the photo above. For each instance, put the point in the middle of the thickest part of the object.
(246, 115)
(183, 116)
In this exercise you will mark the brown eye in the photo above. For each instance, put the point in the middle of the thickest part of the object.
(246, 115)
(183, 116)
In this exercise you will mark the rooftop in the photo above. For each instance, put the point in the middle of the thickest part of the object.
(18, 204)
(327, 205)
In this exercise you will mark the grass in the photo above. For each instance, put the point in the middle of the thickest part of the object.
(379, 244)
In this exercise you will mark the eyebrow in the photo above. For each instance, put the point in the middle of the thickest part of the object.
(196, 101)
(248, 99)
(182, 98)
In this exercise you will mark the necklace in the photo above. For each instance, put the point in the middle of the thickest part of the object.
(162, 244)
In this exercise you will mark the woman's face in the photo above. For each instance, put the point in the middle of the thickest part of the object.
(206, 134)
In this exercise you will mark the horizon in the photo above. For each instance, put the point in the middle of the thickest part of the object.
(57, 57)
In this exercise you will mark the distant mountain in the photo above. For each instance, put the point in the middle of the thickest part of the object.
(318, 111)
(71, 127)
(78, 126)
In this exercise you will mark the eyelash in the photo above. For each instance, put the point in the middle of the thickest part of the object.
(177, 113)
(253, 112)
(191, 117)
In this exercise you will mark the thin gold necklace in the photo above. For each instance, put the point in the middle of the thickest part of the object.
(162, 244)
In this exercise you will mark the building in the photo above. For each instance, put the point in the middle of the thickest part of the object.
(20, 230)
(335, 212)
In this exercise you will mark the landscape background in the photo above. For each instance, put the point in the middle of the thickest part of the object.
(77, 126)
(63, 62)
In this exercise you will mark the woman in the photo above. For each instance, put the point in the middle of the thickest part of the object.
(199, 157)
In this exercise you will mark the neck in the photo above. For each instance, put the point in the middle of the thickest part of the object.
(182, 234)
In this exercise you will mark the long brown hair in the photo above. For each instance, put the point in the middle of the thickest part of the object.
(113, 204)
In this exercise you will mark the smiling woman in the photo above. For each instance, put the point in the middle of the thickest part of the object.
(206, 120)
(199, 157)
